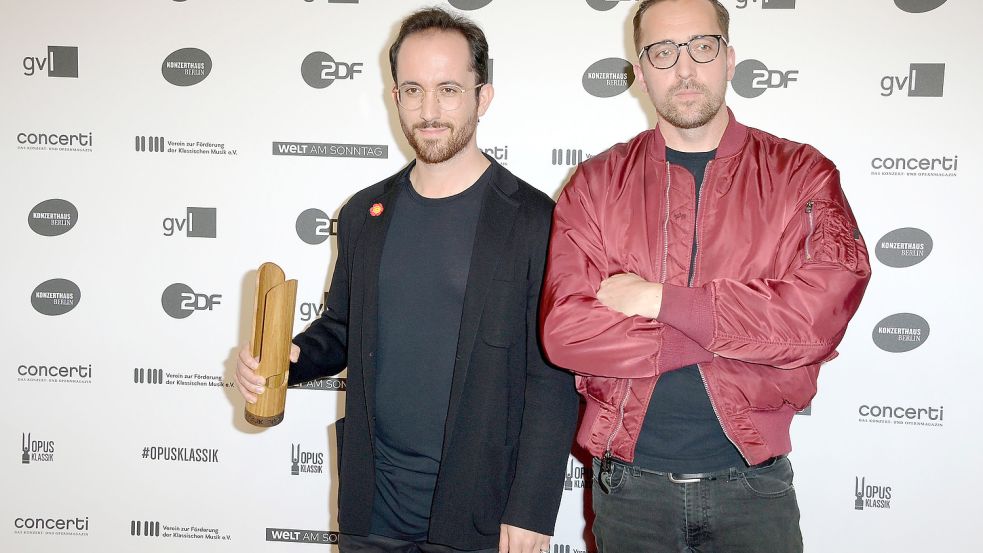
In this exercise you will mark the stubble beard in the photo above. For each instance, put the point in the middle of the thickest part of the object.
(439, 150)
(671, 111)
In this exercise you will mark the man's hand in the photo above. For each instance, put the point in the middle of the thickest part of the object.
(631, 294)
(513, 539)
(249, 383)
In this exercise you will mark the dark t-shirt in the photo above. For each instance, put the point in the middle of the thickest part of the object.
(681, 432)
(422, 278)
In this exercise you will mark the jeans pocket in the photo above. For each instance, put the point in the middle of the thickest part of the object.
(610, 483)
(774, 480)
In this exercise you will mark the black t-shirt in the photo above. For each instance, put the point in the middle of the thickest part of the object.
(422, 278)
(681, 432)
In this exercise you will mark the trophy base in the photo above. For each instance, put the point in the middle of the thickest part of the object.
(257, 420)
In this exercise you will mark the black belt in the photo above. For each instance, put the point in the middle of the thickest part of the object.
(689, 478)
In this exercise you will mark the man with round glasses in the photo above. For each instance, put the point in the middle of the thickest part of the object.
(456, 431)
(698, 277)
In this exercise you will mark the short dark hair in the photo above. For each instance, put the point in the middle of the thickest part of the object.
(723, 19)
(436, 19)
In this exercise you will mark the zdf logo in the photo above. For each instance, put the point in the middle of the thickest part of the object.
(320, 70)
(752, 78)
(314, 226)
(180, 301)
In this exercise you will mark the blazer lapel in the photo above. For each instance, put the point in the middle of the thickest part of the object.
(369, 251)
(498, 213)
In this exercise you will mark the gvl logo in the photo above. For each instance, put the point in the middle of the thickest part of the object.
(53, 217)
(314, 226)
(904, 247)
(924, 80)
(901, 332)
(148, 376)
(36, 451)
(180, 301)
(301, 536)
(568, 156)
(320, 70)
(752, 78)
(469, 4)
(186, 67)
(768, 4)
(311, 310)
(870, 496)
(368, 151)
(918, 6)
(55, 297)
(150, 528)
(61, 61)
(608, 77)
(199, 222)
(605, 5)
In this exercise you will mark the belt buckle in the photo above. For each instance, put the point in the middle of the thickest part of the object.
(674, 480)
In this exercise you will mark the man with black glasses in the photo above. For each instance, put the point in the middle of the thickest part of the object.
(456, 431)
(698, 277)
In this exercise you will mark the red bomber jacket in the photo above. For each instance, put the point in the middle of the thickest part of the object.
(780, 269)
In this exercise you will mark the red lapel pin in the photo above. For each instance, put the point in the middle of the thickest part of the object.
(376, 210)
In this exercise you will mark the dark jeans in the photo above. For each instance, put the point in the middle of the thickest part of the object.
(746, 510)
(382, 544)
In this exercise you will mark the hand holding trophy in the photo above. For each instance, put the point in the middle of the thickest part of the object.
(270, 345)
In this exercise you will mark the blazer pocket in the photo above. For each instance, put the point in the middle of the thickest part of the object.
(504, 316)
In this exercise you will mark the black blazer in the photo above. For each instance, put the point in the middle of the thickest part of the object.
(511, 416)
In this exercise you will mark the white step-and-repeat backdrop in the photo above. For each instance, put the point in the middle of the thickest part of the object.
(154, 153)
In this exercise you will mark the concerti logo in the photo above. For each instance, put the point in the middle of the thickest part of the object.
(918, 6)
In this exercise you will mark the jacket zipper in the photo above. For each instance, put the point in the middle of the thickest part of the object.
(812, 229)
(720, 421)
(606, 460)
(665, 227)
(696, 222)
(696, 245)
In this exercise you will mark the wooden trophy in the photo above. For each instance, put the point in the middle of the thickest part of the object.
(273, 324)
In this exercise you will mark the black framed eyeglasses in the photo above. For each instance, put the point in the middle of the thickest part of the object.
(701, 48)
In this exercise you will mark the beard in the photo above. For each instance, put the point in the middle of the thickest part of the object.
(439, 150)
(673, 114)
